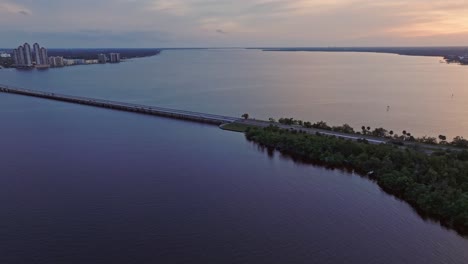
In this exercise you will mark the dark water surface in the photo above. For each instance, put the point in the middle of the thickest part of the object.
(86, 185)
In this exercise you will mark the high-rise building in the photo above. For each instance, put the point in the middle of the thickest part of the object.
(21, 57)
(37, 54)
(27, 55)
(56, 61)
(24, 58)
(102, 58)
(43, 57)
(114, 57)
(16, 56)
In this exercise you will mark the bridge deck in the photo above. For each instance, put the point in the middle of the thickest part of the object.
(143, 109)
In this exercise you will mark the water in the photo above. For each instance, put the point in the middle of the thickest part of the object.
(86, 185)
(353, 88)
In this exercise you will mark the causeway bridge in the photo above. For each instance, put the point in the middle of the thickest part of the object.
(142, 109)
(175, 113)
(202, 117)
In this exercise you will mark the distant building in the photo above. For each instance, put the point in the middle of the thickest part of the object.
(25, 58)
(37, 53)
(40, 55)
(16, 56)
(102, 58)
(114, 57)
(67, 62)
(21, 60)
(56, 61)
(22, 56)
(79, 61)
(5, 55)
(27, 55)
(43, 57)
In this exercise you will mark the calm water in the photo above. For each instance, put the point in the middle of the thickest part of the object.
(339, 88)
(87, 185)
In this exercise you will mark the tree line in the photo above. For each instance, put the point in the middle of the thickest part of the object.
(458, 141)
(436, 184)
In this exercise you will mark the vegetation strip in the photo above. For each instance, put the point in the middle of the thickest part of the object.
(236, 127)
(436, 185)
(380, 132)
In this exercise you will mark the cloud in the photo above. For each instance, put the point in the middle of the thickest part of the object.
(90, 38)
(173, 7)
(7, 7)
(246, 22)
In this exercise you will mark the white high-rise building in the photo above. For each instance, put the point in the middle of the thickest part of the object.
(37, 54)
(24, 58)
(27, 55)
(114, 57)
(56, 61)
(16, 56)
(43, 57)
(21, 57)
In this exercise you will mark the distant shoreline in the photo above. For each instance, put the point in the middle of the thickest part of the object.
(84, 55)
(450, 54)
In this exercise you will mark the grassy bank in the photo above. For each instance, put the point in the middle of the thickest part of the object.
(235, 127)
(436, 185)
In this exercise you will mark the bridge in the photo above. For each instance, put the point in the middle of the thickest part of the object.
(178, 114)
(206, 118)
(136, 108)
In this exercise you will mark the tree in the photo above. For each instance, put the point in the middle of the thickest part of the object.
(405, 134)
(428, 140)
(460, 142)
(344, 129)
(321, 125)
(272, 120)
(391, 132)
(379, 132)
(286, 121)
(245, 116)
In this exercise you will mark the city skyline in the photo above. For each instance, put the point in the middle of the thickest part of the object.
(207, 23)
(37, 57)
(25, 57)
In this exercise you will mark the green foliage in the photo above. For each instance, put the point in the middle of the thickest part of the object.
(344, 129)
(321, 125)
(6, 62)
(381, 132)
(436, 184)
(460, 142)
(286, 121)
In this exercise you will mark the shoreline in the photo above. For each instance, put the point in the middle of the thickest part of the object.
(396, 171)
(451, 55)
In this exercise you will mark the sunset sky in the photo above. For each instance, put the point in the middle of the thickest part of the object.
(229, 23)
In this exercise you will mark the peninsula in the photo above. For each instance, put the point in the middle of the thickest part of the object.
(450, 54)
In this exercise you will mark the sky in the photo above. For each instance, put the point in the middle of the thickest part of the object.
(233, 23)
